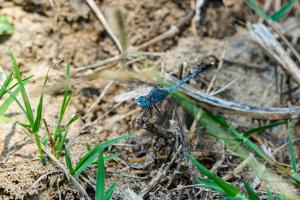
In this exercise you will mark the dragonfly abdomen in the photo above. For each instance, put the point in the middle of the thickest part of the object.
(191, 76)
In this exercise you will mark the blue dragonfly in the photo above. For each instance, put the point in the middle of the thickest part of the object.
(147, 98)
(159, 94)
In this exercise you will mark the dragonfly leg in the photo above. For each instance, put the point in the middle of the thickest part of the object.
(157, 110)
(147, 114)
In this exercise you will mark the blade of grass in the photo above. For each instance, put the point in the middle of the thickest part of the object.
(292, 152)
(38, 118)
(87, 160)
(29, 113)
(66, 101)
(69, 161)
(251, 194)
(91, 156)
(61, 142)
(113, 141)
(211, 185)
(5, 26)
(270, 195)
(6, 83)
(5, 105)
(113, 156)
(243, 139)
(231, 190)
(73, 119)
(277, 15)
(213, 126)
(260, 129)
(253, 5)
(110, 191)
(100, 180)
(8, 101)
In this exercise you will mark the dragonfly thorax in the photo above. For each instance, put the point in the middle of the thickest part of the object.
(143, 102)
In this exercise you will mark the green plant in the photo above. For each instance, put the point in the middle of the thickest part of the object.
(34, 123)
(273, 17)
(58, 138)
(235, 141)
(89, 159)
(227, 190)
(5, 26)
(292, 152)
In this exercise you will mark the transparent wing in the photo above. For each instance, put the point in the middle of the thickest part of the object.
(140, 91)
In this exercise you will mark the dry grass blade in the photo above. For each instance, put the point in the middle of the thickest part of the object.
(161, 173)
(131, 195)
(267, 41)
(215, 103)
(66, 172)
(102, 19)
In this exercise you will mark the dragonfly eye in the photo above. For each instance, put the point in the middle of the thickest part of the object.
(143, 102)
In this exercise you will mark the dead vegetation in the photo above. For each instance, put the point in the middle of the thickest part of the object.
(116, 46)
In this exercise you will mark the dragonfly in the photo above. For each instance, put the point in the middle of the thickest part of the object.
(158, 94)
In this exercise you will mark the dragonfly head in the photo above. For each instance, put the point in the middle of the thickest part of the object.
(143, 102)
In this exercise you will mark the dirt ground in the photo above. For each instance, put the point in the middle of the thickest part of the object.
(50, 33)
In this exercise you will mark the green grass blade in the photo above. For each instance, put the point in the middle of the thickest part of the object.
(69, 161)
(290, 141)
(29, 113)
(64, 105)
(230, 190)
(66, 101)
(270, 195)
(6, 84)
(18, 103)
(242, 138)
(87, 160)
(110, 191)
(100, 180)
(73, 119)
(113, 156)
(211, 185)
(5, 105)
(38, 118)
(253, 5)
(113, 141)
(251, 194)
(61, 142)
(8, 101)
(260, 129)
(5, 26)
(277, 15)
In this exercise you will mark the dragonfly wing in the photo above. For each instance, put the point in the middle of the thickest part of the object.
(141, 91)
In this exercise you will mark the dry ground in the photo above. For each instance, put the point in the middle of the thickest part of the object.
(47, 34)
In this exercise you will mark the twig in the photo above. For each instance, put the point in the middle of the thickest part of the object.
(215, 75)
(268, 42)
(220, 161)
(213, 93)
(239, 168)
(102, 19)
(98, 64)
(42, 177)
(161, 173)
(66, 172)
(273, 25)
(172, 31)
(49, 136)
(155, 129)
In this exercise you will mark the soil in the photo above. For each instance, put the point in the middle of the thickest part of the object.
(49, 34)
